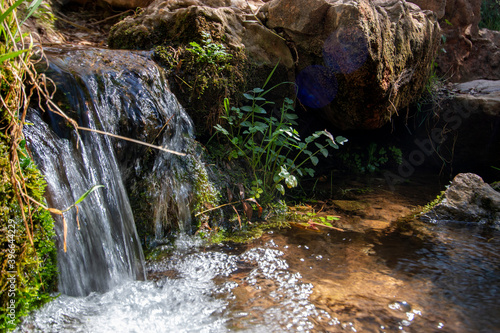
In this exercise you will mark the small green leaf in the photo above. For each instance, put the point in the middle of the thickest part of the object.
(219, 128)
(248, 96)
(291, 181)
(11, 55)
(281, 189)
(95, 187)
(259, 110)
(314, 160)
(247, 108)
(333, 144)
(341, 140)
(284, 172)
(309, 171)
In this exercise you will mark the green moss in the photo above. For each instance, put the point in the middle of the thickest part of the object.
(30, 270)
(200, 84)
(27, 250)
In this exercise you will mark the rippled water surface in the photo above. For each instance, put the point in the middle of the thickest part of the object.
(303, 281)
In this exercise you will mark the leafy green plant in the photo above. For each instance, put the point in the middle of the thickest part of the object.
(270, 144)
(371, 160)
(490, 15)
(202, 74)
(433, 203)
(209, 52)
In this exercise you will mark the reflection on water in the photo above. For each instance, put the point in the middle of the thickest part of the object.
(302, 281)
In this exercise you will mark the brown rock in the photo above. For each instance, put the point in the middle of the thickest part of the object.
(126, 4)
(359, 61)
(181, 21)
(437, 6)
(470, 54)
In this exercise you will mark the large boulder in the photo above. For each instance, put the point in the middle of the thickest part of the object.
(358, 62)
(463, 130)
(467, 199)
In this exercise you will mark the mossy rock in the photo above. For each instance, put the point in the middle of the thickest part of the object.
(350, 206)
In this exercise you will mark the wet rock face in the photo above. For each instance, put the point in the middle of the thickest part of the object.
(358, 61)
(467, 199)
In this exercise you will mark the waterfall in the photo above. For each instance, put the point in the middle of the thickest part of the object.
(120, 92)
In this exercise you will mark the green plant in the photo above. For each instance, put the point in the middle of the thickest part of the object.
(490, 15)
(270, 144)
(27, 252)
(371, 160)
(209, 52)
(433, 203)
(202, 74)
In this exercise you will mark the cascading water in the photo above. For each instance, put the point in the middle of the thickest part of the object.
(294, 280)
(120, 94)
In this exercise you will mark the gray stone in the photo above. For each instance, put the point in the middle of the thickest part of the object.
(467, 199)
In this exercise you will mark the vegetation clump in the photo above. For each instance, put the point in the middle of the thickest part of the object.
(203, 74)
(490, 15)
(372, 159)
(27, 253)
(270, 144)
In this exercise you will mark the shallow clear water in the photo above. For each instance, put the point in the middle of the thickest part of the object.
(302, 281)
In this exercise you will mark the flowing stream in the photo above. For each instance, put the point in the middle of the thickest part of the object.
(292, 280)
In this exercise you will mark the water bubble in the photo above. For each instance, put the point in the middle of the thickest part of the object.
(400, 306)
